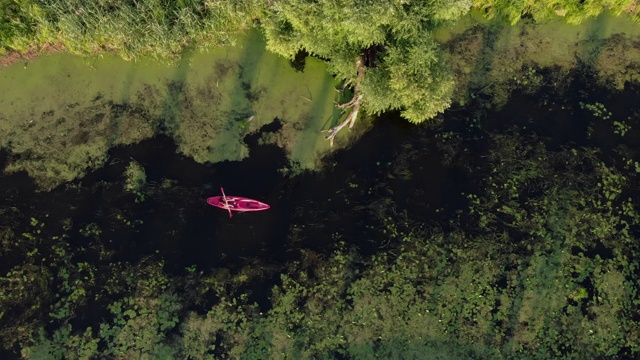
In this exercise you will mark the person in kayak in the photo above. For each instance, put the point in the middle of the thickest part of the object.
(230, 203)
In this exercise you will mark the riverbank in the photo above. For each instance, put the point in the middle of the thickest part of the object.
(31, 54)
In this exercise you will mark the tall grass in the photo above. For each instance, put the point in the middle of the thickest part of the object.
(16, 28)
(159, 28)
(162, 28)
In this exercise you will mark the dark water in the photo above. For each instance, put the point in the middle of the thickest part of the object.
(176, 223)
(310, 210)
(338, 203)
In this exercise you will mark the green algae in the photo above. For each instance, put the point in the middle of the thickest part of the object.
(60, 114)
(247, 89)
(493, 56)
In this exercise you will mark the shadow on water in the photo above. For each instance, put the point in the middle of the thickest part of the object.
(185, 230)
(14, 184)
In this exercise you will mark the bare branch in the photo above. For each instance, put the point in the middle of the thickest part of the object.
(350, 120)
(354, 103)
(350, 103)
(344, 86)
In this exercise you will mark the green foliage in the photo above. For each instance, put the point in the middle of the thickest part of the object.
(598, 110)
(521, 274)
(621, 128)
(135, 177)
(63, 344)
(139, 326)
(413, 77)
(410, 73)
(24, 292)
(142, 317)
(16, 29)
(75, 281)
(135, 180)
(132, 28)
(406, 69)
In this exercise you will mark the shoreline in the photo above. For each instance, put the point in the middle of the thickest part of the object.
(31, 54)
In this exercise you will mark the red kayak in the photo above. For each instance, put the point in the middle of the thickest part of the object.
(236, 203)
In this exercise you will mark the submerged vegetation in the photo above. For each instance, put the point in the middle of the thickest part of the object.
(207, 102)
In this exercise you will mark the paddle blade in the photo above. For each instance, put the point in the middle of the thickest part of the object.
(224, 197)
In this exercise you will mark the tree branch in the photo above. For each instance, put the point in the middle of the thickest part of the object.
(354, 103)
(350, 119)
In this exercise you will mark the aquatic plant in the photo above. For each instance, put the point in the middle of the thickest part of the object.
(542, 262)
(597, 109)
(574, 12)
(621, 127)
(519, 281)
(135, 180)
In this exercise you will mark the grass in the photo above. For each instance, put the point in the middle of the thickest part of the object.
(129, 28)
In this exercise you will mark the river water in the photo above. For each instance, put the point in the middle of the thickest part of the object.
(237, 117)
(249, 158)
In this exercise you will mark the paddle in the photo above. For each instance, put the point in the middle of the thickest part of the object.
(224, 197)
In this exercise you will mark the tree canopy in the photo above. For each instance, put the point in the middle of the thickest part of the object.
(383, 48)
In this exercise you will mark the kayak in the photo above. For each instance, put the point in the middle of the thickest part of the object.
(237, 203)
